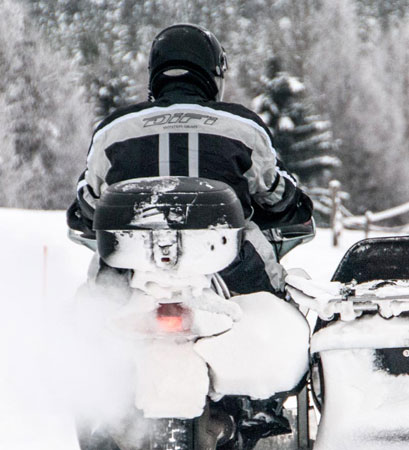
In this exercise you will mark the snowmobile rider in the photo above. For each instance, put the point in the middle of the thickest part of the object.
(185, 129)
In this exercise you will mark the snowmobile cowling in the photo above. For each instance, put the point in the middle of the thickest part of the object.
(192, 225)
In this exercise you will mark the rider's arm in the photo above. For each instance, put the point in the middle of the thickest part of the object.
(275, 194)
(81, 212)
(86, 196)
(91, 183)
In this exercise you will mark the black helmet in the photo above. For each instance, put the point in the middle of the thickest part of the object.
(192, 49)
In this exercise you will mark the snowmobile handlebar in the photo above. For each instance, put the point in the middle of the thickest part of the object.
(286, 237)
(79, 238)
(348, 302)
(387, 306)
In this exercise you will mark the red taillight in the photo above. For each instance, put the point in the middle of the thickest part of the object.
(170, 324)
(173, 318)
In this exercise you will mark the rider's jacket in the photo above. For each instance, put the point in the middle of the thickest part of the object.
(182, 133)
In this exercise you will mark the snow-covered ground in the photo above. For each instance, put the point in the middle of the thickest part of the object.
(40, 270)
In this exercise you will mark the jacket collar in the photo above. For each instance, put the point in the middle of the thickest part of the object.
(181, 92)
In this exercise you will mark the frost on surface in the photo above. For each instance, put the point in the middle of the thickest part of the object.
(199, 251)
(366, 332)
(269, 344)
(164, 386)
(365, 408)
(157, 185)
(390, 298)
(210, 314)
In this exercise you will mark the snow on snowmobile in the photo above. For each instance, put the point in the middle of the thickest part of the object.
(210, 370)
(360, 347)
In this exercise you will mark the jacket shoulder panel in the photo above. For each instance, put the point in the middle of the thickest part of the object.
(123, 112)
(239, 110)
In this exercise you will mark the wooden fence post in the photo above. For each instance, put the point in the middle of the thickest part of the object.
(335, 222)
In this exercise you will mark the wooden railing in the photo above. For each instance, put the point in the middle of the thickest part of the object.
(329, 202)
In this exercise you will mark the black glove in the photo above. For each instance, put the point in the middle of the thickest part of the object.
(77, 221)
(298, 211)
(302, 212)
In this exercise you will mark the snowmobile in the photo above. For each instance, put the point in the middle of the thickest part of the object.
(360, 347)
(210, 369)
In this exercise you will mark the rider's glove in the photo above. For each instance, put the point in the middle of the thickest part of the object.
(77, 221)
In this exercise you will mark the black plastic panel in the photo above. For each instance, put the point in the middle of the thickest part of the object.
(395, 361)
(174, 202)
(385, 258)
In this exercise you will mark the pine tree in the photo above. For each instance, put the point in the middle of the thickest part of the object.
(302, 137)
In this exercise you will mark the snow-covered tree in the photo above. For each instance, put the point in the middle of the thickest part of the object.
(386, 12)
(111, 40)
(44, 124)
(356, 86)
(302, 137)
(357, 80)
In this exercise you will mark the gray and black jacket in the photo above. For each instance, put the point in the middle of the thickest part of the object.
(182, 133)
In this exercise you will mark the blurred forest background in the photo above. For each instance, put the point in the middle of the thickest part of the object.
(331, 79)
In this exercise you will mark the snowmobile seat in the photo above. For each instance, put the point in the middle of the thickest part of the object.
(383, 258)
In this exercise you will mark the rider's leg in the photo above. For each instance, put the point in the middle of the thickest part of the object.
(256, 267)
